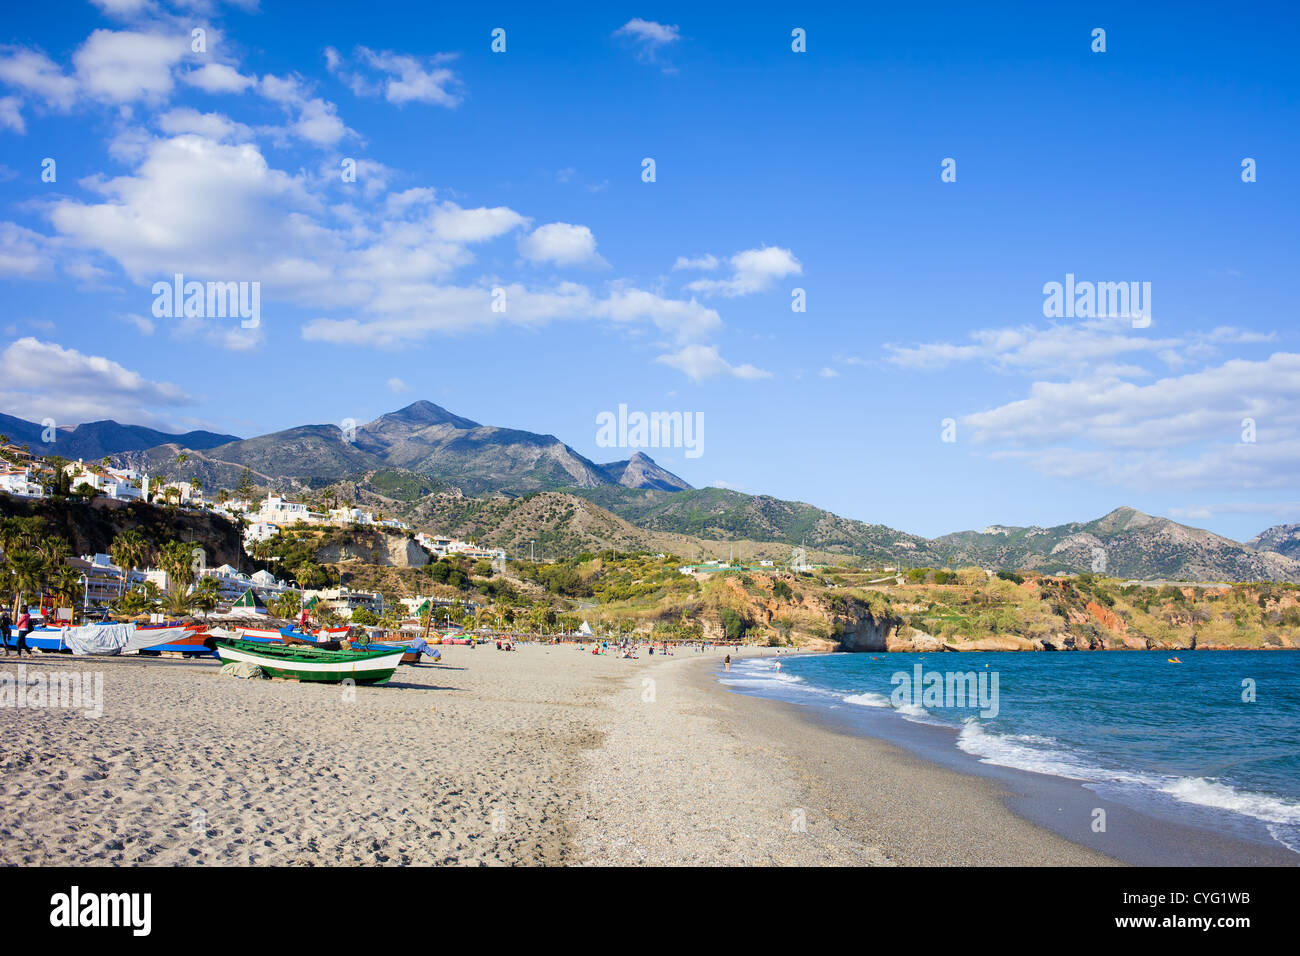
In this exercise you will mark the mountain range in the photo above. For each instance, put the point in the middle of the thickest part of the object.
(421, 439)
(98, 439)
(448, 473)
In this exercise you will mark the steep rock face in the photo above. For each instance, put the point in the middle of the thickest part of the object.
(863, 631)
(374, 547)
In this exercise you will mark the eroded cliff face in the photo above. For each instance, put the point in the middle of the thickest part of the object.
(374, 547)
(861, 630)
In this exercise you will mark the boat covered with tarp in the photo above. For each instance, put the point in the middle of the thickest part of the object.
(110, 639)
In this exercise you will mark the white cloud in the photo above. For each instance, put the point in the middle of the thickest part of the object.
(24, 253)
(312, 118)
(648, 36)
(706, 263)
(123, 8)
(36, 74)
(1029, 349)
(1173, 410)
(1180, 431)
(561, 243)
(415, 80)
(701, 362)
(201, 333)
(383, 276)
(213, 126)
(218, 78)
(409, 312)
(11, 116)
(754, 270)
(1283, 510)
(215, 211)
(122, 65)
(399, 77)
(454, 224)
(46, 380)
(397, 386)
(144, 325)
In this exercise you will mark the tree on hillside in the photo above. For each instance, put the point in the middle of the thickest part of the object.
(129, 550)
(245, 488)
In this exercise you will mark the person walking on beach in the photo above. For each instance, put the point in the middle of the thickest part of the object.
(6, 622)
(727, 662)
(24, 627)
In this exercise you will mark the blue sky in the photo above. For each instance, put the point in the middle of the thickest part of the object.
(775, 170)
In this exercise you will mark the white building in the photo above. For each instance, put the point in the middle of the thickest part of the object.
(278, 511)
(351, 516)
(19, 482)
(260, 531)
(187, 493)
(104, 481)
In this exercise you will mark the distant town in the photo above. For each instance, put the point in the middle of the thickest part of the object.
(25, 475)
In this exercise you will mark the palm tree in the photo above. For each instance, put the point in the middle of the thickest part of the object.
(28, 569)
(177, 559)
(128, 551)
(207, 594)
(54, 550)
(288, 605)
(177, 602)
(67, 582)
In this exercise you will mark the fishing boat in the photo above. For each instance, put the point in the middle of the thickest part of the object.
(321, 634)
(261, 635)
(302, 663)
(43, 638)
(191, 644)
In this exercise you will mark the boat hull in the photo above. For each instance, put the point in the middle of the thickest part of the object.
(327, 667)
(48, 639)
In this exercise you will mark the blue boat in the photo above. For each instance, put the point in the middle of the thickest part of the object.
(48, 639)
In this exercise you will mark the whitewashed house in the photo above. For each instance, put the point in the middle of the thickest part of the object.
(19, 482)
(260, 531)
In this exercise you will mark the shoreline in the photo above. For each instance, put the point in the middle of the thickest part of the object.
(1060, 805)
(757, 769)
(544, 755)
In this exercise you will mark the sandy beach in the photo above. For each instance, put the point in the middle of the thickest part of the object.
(546, 755)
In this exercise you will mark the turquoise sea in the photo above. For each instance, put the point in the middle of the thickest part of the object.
(1212, 741)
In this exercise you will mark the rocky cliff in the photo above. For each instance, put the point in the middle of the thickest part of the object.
(380, 548)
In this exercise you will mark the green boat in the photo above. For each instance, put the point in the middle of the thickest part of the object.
(297, 662)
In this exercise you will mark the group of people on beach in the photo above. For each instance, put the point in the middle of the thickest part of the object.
(23, 626)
